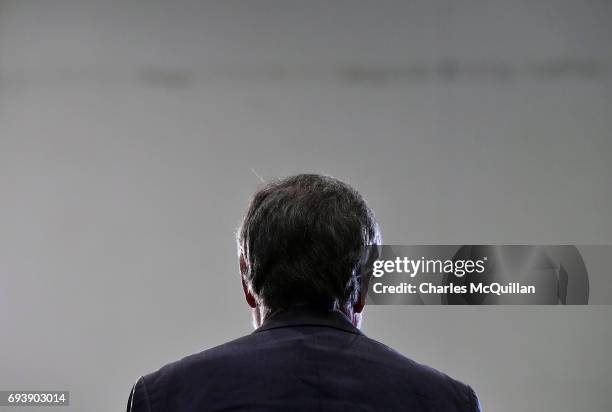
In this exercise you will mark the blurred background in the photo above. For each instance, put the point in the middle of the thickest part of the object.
(132, 134)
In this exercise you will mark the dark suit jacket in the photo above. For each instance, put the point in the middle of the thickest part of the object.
(300, 360)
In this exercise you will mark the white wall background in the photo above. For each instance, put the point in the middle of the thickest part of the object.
(128, 131)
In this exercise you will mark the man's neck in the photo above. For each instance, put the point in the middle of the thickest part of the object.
(261, 313)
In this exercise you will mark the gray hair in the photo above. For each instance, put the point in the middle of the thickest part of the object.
(306, 239)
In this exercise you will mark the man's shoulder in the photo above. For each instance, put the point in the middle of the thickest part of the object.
(177, 382)
(394, 372)
(430, 381)
(211, 360)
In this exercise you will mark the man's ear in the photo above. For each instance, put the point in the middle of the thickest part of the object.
(363, 291)
(250, 299)
(360, 304)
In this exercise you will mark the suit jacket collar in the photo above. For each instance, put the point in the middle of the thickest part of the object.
(305, 316)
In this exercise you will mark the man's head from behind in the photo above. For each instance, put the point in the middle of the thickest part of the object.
(305, 240)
